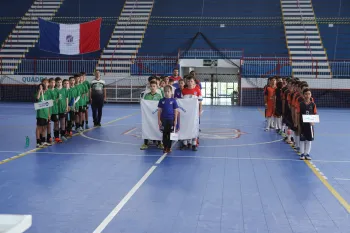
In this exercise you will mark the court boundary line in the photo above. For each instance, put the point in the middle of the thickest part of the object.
(183, 156)
(125, 200)
(134, 144)
(320, 175)
(76, 134)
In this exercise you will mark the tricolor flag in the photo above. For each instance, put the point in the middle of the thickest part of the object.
(70, 39)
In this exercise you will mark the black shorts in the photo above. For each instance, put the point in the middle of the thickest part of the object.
(86, 107)
(82, 108)
(306, 132)
(62, 115)
(54, 117)
(41, 122)
(71, 116)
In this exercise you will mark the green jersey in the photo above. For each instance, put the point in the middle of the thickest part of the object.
(74, 93)
(81, 90)
(54, 97)
(155, 96)
(85, 91)
(87, 85)
(63, 95)
(44, 112)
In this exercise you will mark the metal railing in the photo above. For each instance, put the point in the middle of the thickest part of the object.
(265, 67)
(50, 66)
(210, 54)
(250, 66)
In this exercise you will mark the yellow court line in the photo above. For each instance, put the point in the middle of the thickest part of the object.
(341, 200)
(76, 134)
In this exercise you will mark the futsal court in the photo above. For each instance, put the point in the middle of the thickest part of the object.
(240, 180)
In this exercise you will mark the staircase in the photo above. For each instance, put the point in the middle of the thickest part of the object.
(127, 37)
(26, 34)
(306, 50)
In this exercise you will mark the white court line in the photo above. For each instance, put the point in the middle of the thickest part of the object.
(176, 156)
(344, 179)
(129, 143)
(121, 204)
(161, 158)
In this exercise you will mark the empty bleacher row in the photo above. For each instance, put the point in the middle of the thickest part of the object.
(254, 40)
(336, 34)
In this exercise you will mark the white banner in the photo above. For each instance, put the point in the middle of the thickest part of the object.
(188, 122)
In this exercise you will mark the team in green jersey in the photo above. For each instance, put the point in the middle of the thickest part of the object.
(70, 99)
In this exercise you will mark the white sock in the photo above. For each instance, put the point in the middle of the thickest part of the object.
(307, 147)
(194, 142)
(289, 134)
(302, 147)
(297, 141)
(268, 124)
(273, 122)
(283, 127)
(280, 123)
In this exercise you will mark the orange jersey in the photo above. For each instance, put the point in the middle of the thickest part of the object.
(270, 94)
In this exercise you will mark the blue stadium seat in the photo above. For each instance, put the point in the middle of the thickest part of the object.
(255, 40)
(335, 39)
(14, 9)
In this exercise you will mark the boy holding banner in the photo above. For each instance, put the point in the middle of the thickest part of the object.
(155, 96)
(306, 107)
(42, 114)
(192, 91)
(167, 117)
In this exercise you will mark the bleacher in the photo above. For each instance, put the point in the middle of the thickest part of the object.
(247, 8)
(87, 10)
(14, 8)
(335, 38)
(174, 24)
(254, 40)
(11, 11)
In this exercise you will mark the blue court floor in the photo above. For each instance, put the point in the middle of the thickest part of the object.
(241, 180)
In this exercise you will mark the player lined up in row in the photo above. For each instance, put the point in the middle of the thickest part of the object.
(175, 88)
(286, 101)
(70, 99)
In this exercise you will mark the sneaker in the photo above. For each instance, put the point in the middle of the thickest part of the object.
(81, 129)
(161, 146)
(46, 144)
(302, 157)
(64, 138)
(144, 147)
(307, 157)
(58, 140)
(99, 124)
(38, 145)
(194, 148)
(169, 150)
(86, 127)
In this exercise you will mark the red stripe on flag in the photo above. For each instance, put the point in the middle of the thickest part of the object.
(90, 36)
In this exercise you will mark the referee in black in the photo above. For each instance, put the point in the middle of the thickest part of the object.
(97, 98)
